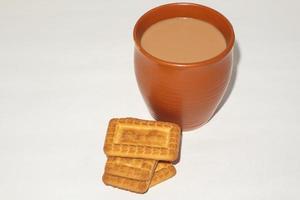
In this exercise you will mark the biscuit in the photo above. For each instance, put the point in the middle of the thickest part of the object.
(126, 183)
(163, 171)
(133, 168)
(136, 138)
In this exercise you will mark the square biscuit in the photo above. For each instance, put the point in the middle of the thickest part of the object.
(136, 138)
(163, 171)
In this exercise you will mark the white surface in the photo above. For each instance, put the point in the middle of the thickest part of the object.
(66, 68)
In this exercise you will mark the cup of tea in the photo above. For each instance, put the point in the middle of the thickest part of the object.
(183, 61)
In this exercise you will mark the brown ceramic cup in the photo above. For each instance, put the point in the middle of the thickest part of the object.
(184, 93)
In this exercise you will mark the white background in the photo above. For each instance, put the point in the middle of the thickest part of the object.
(66, 68)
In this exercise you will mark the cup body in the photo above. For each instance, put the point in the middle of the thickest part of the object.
(184, 93)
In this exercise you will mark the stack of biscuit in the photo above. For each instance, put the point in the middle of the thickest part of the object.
(140, 153)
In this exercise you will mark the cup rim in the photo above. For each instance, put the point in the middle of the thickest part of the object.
(214, 59)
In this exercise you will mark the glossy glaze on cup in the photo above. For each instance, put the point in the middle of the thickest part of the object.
(183, 93)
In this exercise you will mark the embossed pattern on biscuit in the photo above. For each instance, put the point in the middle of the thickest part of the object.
(126, 183)
(133, 168)
(136, 138)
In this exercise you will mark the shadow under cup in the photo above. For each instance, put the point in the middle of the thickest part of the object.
(184, 93)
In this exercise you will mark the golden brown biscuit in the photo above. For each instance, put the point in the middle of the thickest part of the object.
(126, 183)
(133, 168)
(163, 171)
(136, 138)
